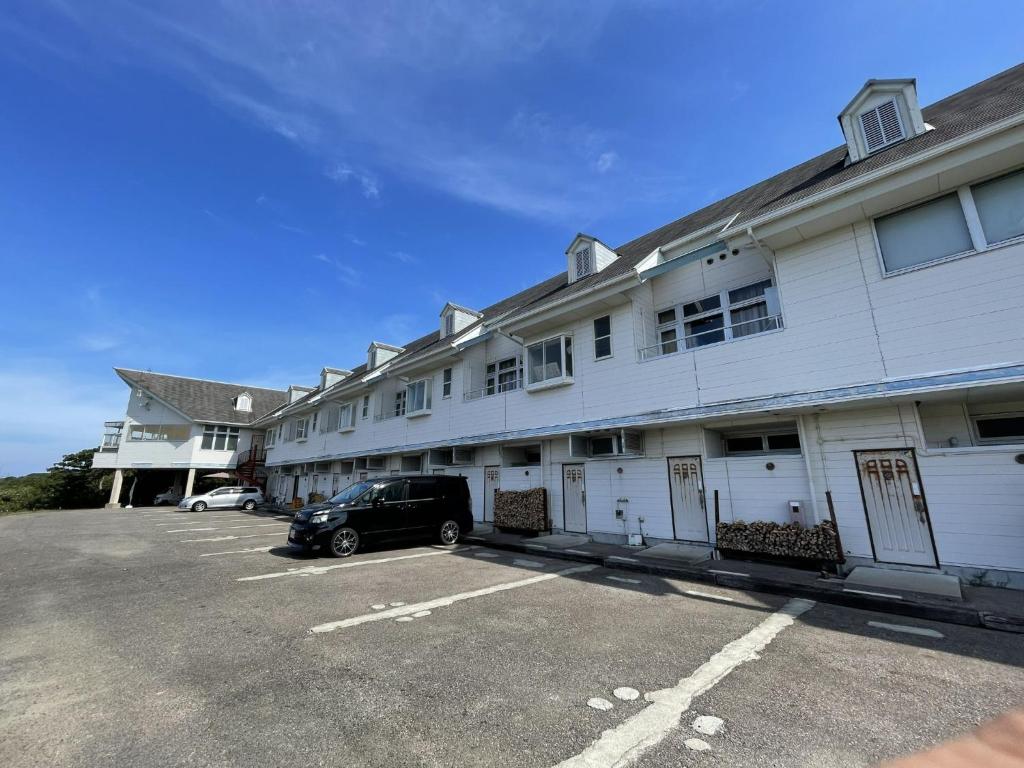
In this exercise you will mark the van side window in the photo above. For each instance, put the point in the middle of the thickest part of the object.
(387, 492)
(423, 489)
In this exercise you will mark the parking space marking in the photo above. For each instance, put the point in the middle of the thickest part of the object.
(907, 629)
(627, 741)
(225, 528)
(873, 594)
(576, 552)
(623, 579)
(441, 602)
(231, 537)
(240, 551)
(624, 559)
(317, 570)
(697, 593)
(730, 573)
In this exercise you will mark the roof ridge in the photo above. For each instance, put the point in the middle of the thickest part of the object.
(195, 378)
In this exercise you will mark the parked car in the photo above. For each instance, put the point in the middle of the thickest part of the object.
(221, 498)
(435, 506)
(167, 497)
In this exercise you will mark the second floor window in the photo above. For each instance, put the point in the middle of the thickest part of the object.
(446, 382)
(301, 428)
(503, 376)
(400, 403)
(366, 407)
(549, 361)
(603, 337)
(719, 317)
(418, 396)
(220, 438)
(346, 417)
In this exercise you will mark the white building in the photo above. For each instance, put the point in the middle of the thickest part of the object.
(175, 427)
(850, 329)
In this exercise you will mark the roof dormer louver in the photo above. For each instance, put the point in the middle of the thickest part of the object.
(584, 263)
(882, 126)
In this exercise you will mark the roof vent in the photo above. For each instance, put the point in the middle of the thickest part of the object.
(881, 126)
(586, 256)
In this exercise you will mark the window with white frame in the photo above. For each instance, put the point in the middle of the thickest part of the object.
(449, 324)
(549, 361)
(346, 417)
(603, 337)
(730, 314)
(584, 262)
(366, 407)
(971, 219)
(446, 383)
(220, 438)
(418, 396)
(301, 428)
(758, 443)
(399, 407)
(173, 433)
(271, 438)
(999, 428)
(316, 418)
(502, 376)
(332, 418)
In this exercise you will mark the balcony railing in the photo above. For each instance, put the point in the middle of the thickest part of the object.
(494, 389)
(256, 456)
(110, 443)
(712, 336)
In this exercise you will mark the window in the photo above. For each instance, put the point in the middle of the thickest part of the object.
(503, 376)
(331, 419)
(881, 126)
(620, 443)
(243, 402)
(446, 383)
(270, 438)
(316, 416)
(550, 360)
(220, 438)
(420, 490)
(449, 324)
(346, 417)
(1000, 428)
(386, 493)
(758, 443)
(412, 463)
(1000, 205)
(366, 407)
(723, 316)
(926, 232)
(301, 428)
(603, 337)
(175, 433)
(400, 403)
(418, 396)
(584, 262)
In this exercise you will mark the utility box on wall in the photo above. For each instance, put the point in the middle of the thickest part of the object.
(797, 513)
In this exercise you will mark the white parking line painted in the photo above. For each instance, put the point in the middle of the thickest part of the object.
(535, 546)
(624, 559)
(239, 551)
(708, 595)
(230, 537)
(873, 594)
(226, 528)
(576, 552)
(623, 579)
(318, 570)
(730, 573)
(441, 602)
(626, 742)
(907, 629)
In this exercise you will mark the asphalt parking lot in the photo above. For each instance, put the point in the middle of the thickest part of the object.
(152, 637)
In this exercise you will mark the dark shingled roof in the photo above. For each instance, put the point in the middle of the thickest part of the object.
(205, 401)
(976, 107)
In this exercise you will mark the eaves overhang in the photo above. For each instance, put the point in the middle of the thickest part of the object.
(657, 264)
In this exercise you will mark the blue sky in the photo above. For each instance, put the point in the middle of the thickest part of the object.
(249, 191)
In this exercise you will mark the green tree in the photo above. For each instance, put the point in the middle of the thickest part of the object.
(75, 483)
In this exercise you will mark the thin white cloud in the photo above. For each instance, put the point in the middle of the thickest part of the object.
(365, 79)
(405, 258)
(347, 275)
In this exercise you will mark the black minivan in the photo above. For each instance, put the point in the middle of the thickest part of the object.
(437, 506)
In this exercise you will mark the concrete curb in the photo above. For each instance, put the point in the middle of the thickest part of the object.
(948, 614)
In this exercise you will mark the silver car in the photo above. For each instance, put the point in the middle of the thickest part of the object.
(228, 497)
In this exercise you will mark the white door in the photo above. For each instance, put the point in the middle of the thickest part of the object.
(895, 508)
(574, 498)
(492, 483)
(686, 489)
(303, 488)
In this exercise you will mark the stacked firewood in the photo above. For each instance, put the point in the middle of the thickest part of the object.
(522, 510)
(789, 540)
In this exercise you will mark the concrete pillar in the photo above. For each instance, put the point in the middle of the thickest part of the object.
(115, 490)
(190, 481)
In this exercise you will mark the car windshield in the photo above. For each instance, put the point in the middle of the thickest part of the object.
(351, 493)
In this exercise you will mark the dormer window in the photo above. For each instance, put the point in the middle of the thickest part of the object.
(243, 402)
(882, 126)
(455, 318)
(584, 262)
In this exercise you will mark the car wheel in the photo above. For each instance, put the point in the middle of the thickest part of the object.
(249, 505)
(450, 532)
(199, 506)
(344, 542)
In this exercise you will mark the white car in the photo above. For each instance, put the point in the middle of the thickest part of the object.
(228, 497)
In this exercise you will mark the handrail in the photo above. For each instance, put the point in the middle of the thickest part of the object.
(682, 343)
(494, 389)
